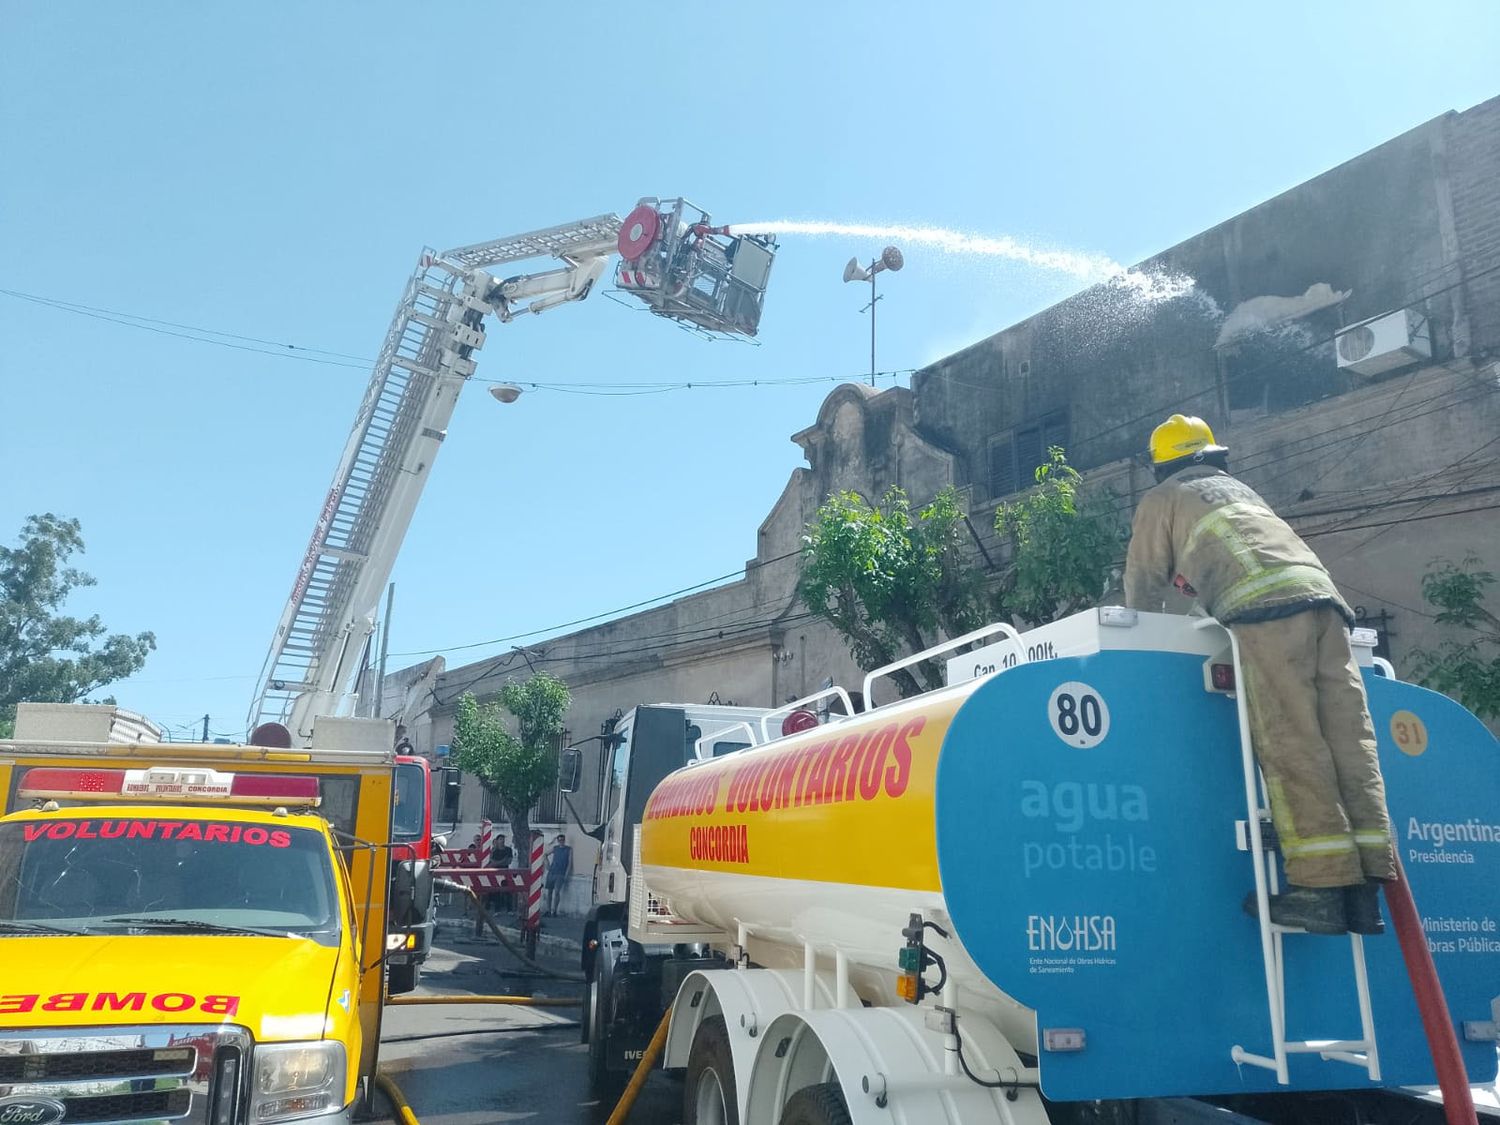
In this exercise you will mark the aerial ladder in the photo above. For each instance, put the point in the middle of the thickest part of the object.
(670, 257)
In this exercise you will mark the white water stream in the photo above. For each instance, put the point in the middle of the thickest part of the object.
(1088, 268)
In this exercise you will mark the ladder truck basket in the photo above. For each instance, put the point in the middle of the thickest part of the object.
(672, 259)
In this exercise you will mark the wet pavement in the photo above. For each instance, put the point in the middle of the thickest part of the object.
(473, 1064)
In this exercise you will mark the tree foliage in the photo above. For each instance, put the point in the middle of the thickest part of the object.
(893, 581)
(1064, 537)
(45, 655)
(889, 579)
(1466, 666)
(510, 745)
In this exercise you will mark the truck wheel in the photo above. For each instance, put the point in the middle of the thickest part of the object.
(400, 978)
(708, 1097)
(822, 1104)
(602, 1081)
(586, 1021)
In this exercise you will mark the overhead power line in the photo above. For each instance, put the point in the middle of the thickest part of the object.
(704, 630)
(280, 349)
(600, 616)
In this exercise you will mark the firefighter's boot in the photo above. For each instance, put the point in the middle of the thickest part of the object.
(1318, 910)
(1362, 908)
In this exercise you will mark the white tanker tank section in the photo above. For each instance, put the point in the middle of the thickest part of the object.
(1062, 841)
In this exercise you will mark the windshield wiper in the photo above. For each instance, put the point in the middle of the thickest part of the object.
(37, 928)
(191, 924)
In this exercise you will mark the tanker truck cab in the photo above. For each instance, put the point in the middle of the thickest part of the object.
(190, 932)
(1018, 899)
(645, 745)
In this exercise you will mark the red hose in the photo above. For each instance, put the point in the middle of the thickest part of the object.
(1453, 1080)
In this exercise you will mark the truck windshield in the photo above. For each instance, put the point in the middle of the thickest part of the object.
(114, 875)
(409, 818)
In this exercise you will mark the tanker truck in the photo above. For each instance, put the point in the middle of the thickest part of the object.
(1038, 894)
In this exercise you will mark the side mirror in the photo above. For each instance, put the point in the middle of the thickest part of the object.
(439, 843)
(570, 769)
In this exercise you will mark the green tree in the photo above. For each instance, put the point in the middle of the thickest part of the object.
(45, 655)
(888, 580)
(1466, 667)
(1064, 537)
(516, 766)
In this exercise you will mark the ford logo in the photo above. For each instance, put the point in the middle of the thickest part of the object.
(31, 1111)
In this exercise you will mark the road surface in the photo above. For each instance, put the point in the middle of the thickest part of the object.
(473, 1065)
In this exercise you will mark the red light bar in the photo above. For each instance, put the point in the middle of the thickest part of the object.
(194, 785)
(52, 782)
(285, 788)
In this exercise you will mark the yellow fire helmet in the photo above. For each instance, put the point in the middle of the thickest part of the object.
(1182, 436)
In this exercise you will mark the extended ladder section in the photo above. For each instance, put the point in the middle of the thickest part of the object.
(426, 356)
(1360, 1052)
(585, 239)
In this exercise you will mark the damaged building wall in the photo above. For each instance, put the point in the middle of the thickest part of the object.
(1393, 228)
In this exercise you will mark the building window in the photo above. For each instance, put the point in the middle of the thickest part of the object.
(491, 809)
(549, 808)
(1014, 457)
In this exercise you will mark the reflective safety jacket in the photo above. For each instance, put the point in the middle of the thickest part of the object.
(1212, 537)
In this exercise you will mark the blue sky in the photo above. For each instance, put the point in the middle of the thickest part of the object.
(274, 169)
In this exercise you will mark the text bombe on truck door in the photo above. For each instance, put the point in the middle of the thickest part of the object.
(189, 932)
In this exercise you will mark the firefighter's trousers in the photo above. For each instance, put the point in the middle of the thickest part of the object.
(1311, 729)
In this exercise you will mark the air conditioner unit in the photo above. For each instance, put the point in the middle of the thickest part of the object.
(1384, 343)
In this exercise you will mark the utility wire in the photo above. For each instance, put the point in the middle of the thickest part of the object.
(707, 630)
(74, 306)
(597, 616)
(326, 358)
(121, 319)
(626, 652)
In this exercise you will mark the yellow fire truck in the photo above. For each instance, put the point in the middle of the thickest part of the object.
(191, 933)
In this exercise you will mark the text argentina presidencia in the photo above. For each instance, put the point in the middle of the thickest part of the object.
(1438, 834)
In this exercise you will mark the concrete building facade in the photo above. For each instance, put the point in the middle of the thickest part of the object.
(1381, 472)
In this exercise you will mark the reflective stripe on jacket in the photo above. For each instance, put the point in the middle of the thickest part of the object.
(1204, 528)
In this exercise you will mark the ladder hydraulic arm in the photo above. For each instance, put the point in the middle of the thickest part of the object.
(428, 355)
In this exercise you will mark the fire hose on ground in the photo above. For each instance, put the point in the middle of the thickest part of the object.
(399, 1103)
(387, 1084)
(405, 1115)
(642, 1072)
(449, 886)
(465, 998)
(638, 1078)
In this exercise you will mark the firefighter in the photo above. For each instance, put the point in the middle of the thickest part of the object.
(1200, 533)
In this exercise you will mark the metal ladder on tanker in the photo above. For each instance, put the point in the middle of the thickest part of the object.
(1362, 1052)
